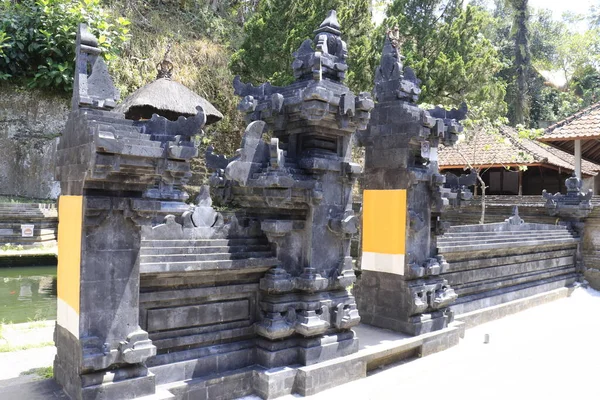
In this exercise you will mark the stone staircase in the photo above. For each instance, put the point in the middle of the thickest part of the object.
(196, 292)
(205, 255)
(44, 217)
(492, 264)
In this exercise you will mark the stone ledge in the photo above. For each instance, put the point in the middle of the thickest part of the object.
(378, 348)
(483, 315)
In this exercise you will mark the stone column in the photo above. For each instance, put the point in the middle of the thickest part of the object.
(403, 197)
(109, 169)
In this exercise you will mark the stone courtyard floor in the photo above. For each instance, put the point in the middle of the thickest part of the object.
(547, 352)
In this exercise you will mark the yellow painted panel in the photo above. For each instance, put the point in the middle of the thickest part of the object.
(70, 225)
(384, 221)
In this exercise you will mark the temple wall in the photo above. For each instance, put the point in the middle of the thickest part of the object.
(591, 246)
(31, 122)
(495, 263)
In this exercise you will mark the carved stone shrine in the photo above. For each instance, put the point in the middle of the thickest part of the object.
(160, 298)
(298, 185)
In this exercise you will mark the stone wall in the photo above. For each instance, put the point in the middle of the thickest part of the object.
(30, 124)
(531, 209)
(43, 217)
(591, 247)
(499, 262)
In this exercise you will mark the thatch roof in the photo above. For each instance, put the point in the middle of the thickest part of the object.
(169, 99)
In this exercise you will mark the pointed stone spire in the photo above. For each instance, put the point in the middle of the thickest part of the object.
(165, 67)
(392, 80)
(330, 24)
(328, 57)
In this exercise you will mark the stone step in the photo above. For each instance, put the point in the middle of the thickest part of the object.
(483, 287)
(134, 141)
(247, 265)
(203, 257)
(500, 227)
(204, 242)
(491, 246)
(44, 211)
(109, 118)
(470, 303)
(467, 277)
(19, 239)
(477, 261)
(124, 147)
(25, 219)
(133, 132)
(28, 205)
(44, 224)
(513, 240)
(17, 231)
(197, 250)
(503, 233)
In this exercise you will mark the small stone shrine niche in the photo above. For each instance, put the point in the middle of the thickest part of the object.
(404, 196)
(575, 205)
(298, 184)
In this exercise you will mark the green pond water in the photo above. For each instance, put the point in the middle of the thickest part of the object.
(27, 294)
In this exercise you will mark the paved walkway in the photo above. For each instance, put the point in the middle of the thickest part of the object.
(547, 352)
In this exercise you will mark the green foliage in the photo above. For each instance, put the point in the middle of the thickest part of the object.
(278, 28)
(585, 83)
(37, 39)
(42, 372)
(445, 45)
(549, 104)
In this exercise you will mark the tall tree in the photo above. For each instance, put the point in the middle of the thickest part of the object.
(520, 32)
(278, 27)
(445, 44)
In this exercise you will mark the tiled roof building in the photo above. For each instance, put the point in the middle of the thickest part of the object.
(503, 156)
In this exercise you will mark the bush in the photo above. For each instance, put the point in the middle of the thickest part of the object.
(37, 39)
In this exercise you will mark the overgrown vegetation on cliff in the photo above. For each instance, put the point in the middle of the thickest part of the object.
(461, 53)
(37, 39)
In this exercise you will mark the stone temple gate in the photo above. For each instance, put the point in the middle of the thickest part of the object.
(162, 299)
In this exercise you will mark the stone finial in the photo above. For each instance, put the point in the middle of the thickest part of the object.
(391, 66)
(328, 58)
(573, 183)
(95, 89)
(515, 219)
(330, 24)
(165, 67)
(393, 35)
(392, 80)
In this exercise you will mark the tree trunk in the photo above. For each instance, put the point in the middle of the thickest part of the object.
(480, 179)
(522, 57)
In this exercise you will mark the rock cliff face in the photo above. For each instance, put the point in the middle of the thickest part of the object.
(30, 124)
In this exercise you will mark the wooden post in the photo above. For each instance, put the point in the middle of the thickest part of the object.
(578, 158)
(520, 183)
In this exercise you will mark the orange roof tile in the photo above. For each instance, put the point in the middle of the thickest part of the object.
(584, 124)
(507, 149)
